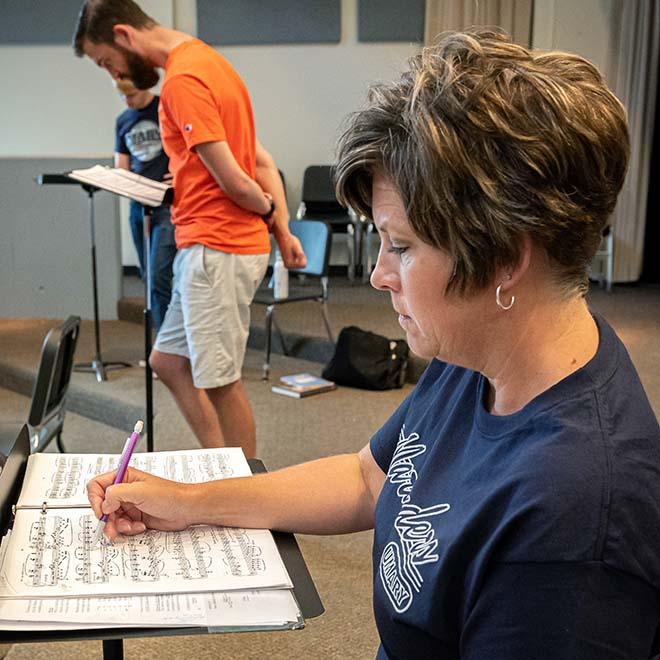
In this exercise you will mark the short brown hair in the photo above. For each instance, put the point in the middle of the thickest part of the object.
(486, 141)
(97, 19)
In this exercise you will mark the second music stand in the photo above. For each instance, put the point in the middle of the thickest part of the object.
(150, 194)
(97, 365)
(148, 385)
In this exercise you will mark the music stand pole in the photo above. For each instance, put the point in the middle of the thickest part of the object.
(97, 366)
(147, 327)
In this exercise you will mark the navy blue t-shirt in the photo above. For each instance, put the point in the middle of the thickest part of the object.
(532, 536)
(138, 135)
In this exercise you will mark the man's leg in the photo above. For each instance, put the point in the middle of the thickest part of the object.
(194, 403)
(219, 417)
(170, 360)
(163, 250)
(210, 304)
(235, 416)
(236, 280)
(136, 223)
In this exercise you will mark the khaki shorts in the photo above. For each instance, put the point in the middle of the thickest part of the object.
(208, 319)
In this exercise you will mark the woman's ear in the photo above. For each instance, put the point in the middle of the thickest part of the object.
(510, 276)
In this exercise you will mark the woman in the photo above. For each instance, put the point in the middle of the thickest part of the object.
(515, 493)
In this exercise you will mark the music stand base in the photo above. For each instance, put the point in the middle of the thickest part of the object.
(99, 368)
(113, 649)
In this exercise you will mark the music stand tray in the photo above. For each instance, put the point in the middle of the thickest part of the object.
(11, 479)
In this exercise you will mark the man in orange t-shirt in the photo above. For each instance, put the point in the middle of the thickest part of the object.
(228, 193)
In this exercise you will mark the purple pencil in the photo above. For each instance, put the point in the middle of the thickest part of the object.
(129, 447)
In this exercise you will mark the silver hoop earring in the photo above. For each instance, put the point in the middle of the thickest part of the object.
(498, 299)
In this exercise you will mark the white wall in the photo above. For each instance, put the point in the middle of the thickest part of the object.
(301, 94)
(578, 26)
(55, 104)
(63, 106)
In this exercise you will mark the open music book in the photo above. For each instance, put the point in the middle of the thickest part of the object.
(204, 575)
(125, 183)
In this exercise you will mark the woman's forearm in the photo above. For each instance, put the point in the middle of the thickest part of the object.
(326, 496)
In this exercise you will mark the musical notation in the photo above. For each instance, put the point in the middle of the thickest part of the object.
(51, 552)
(54, 576)
(62, 480)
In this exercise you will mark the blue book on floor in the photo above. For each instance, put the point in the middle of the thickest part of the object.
(300, 385)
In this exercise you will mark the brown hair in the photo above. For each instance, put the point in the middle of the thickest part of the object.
(486, 141)
(97, 19)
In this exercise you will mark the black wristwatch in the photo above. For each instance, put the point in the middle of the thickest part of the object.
(267, 216)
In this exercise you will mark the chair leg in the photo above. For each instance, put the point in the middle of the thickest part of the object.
(366, 270)
(610, 261)
(326, 320)
(269, 329)
(285, 349)
(60, 446)
(350, 246)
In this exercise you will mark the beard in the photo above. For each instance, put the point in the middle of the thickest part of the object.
(142, 74)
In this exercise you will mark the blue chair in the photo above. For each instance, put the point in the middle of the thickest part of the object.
(315, 237)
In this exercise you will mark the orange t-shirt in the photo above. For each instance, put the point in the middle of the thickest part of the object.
(204, 100)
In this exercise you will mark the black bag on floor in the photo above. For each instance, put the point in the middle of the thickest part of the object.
(366, 360)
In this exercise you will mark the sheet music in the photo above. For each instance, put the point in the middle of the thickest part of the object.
(50, 554)
(123, 182)
(262, 609)
(60, 480)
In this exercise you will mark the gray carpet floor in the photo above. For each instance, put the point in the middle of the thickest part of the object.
(288, 431)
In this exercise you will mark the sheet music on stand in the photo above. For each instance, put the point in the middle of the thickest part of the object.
(53, 578)
(125, 183)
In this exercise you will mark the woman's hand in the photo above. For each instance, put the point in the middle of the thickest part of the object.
(142, 501)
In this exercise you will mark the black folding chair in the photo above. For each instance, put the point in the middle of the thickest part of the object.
(315, 237)
(14, 452)
(47, 408)
(602, 266)
(318, 200)
(46, 417)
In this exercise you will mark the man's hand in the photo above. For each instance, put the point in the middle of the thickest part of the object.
(271, 182)
(291, 250)
(141, 502)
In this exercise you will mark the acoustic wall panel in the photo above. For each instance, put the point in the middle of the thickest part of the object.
(38, 21)
(391, 20)
(243, 22)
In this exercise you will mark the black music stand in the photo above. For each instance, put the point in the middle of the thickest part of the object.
(97, 365)
(148, 383)
(167, 199)
(11, 478)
